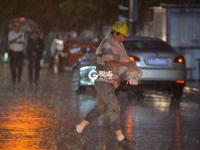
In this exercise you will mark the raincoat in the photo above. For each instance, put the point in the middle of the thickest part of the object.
(109, 50)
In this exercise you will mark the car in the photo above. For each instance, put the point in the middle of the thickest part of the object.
(78, 50)
(163, 67)
(84, 72)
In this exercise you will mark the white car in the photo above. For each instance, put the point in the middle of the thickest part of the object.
(163, 67)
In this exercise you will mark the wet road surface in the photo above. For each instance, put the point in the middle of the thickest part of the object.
(42, 118)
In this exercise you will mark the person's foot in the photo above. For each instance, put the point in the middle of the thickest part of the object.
(77, 139)
(126, 144)
(77, 135)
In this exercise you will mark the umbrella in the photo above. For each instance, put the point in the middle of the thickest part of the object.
(26, 24)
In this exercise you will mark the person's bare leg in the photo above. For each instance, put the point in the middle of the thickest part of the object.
(123, 141)
(92, 115)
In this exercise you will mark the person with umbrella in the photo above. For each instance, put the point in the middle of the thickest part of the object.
(35, 49)
(16, 46)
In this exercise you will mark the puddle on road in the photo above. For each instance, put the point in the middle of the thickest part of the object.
(26, 126)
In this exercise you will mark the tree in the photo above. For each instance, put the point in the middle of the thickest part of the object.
(88, 13)
(71, 14)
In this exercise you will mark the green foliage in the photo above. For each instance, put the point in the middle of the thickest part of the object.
(61, 14)
(83, 14)
(70, 14)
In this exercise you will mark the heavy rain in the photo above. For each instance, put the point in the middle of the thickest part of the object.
(42, 103)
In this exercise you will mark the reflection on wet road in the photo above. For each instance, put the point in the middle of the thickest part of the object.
(153, 123)
(25, 125)
(43, 118)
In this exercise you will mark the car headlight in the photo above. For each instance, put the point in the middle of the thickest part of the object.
(89, 72)
(87, 67)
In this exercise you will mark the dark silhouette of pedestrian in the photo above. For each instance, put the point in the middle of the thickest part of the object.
(16, 46)
(35, 49)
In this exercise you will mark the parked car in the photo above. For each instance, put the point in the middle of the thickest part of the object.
(84, 72)
(163, 67)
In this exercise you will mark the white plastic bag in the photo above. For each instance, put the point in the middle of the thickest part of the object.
(133, 74)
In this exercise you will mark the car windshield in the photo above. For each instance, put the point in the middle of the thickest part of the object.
(147, 45)
(88, 58)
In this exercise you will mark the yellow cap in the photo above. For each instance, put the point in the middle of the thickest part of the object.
(16, 24)
(120, 28)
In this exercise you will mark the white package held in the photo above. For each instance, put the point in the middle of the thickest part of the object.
(133, 74)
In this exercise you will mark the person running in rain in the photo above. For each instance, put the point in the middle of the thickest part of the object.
(111, 57)
(35, 49)
(16, 46)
